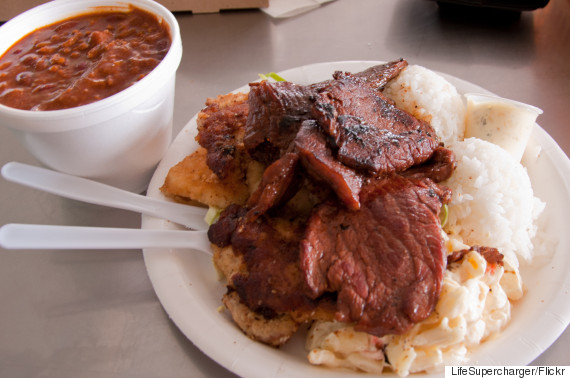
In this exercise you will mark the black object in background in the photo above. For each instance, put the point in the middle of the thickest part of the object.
(511, 5)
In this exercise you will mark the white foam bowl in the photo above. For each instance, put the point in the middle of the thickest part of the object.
(117, 140)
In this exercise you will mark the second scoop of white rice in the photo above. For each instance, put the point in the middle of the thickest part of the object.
(493, 203)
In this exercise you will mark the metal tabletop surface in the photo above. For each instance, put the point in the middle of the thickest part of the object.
(94, 313)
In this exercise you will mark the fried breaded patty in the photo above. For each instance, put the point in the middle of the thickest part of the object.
(192, 180)
(196, 179)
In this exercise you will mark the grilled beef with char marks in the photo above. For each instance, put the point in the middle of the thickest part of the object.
(347, 96)
(276, 110)
(375, 150)
(376, 77)
(320, 163)
(438, 167)
(377, 253)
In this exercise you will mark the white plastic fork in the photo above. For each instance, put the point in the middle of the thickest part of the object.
(89, 191)
(31, 236)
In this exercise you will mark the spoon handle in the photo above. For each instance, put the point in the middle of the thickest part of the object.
(89, 191)
(30, 236)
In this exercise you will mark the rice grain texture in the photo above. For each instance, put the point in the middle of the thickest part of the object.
(430, 97)
(493, 203)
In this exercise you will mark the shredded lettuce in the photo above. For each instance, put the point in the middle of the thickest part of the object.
(271, 75)
(444, 214)
(212, 215)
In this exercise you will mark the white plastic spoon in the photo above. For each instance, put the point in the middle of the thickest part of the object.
(30, 236)
(89, 191)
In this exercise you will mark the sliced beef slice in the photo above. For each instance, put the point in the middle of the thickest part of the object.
(276, 111)
(376, 77)
(379, 151)
(439, 167)
(279, 183)
(319, 162)
(369, 131)
(385, 261)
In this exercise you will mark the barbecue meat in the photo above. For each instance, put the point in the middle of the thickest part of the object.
(344, 129)
(378, 151)
(276, 110)
(319, 162)
(376, 77)
(385, 261)
(370, 133)
(279, 183)
(439, 167)
(344, 222)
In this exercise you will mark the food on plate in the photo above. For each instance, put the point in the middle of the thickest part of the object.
(222, 176)
(82, 59)
(360, 216)
(430, 97)
(492, 200)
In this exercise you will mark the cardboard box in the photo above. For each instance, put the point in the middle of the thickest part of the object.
(10, 9)
(212, 6)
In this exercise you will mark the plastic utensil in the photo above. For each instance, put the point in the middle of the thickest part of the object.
(94, 192)
(31, 236)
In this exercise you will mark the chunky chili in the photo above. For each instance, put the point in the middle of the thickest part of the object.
(82, 59)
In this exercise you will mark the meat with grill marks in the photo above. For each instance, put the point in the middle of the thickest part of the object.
(277, 109)
(370, 250)
(383, 263)
(376, 77)
(319, 162)
(361, 133)
(369, 132)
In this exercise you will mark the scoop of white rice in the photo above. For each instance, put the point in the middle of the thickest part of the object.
(493, 202)
(430, 97)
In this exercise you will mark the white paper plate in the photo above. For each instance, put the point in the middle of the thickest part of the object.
(190, 290)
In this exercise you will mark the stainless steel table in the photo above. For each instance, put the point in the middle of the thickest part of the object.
(95, 314)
